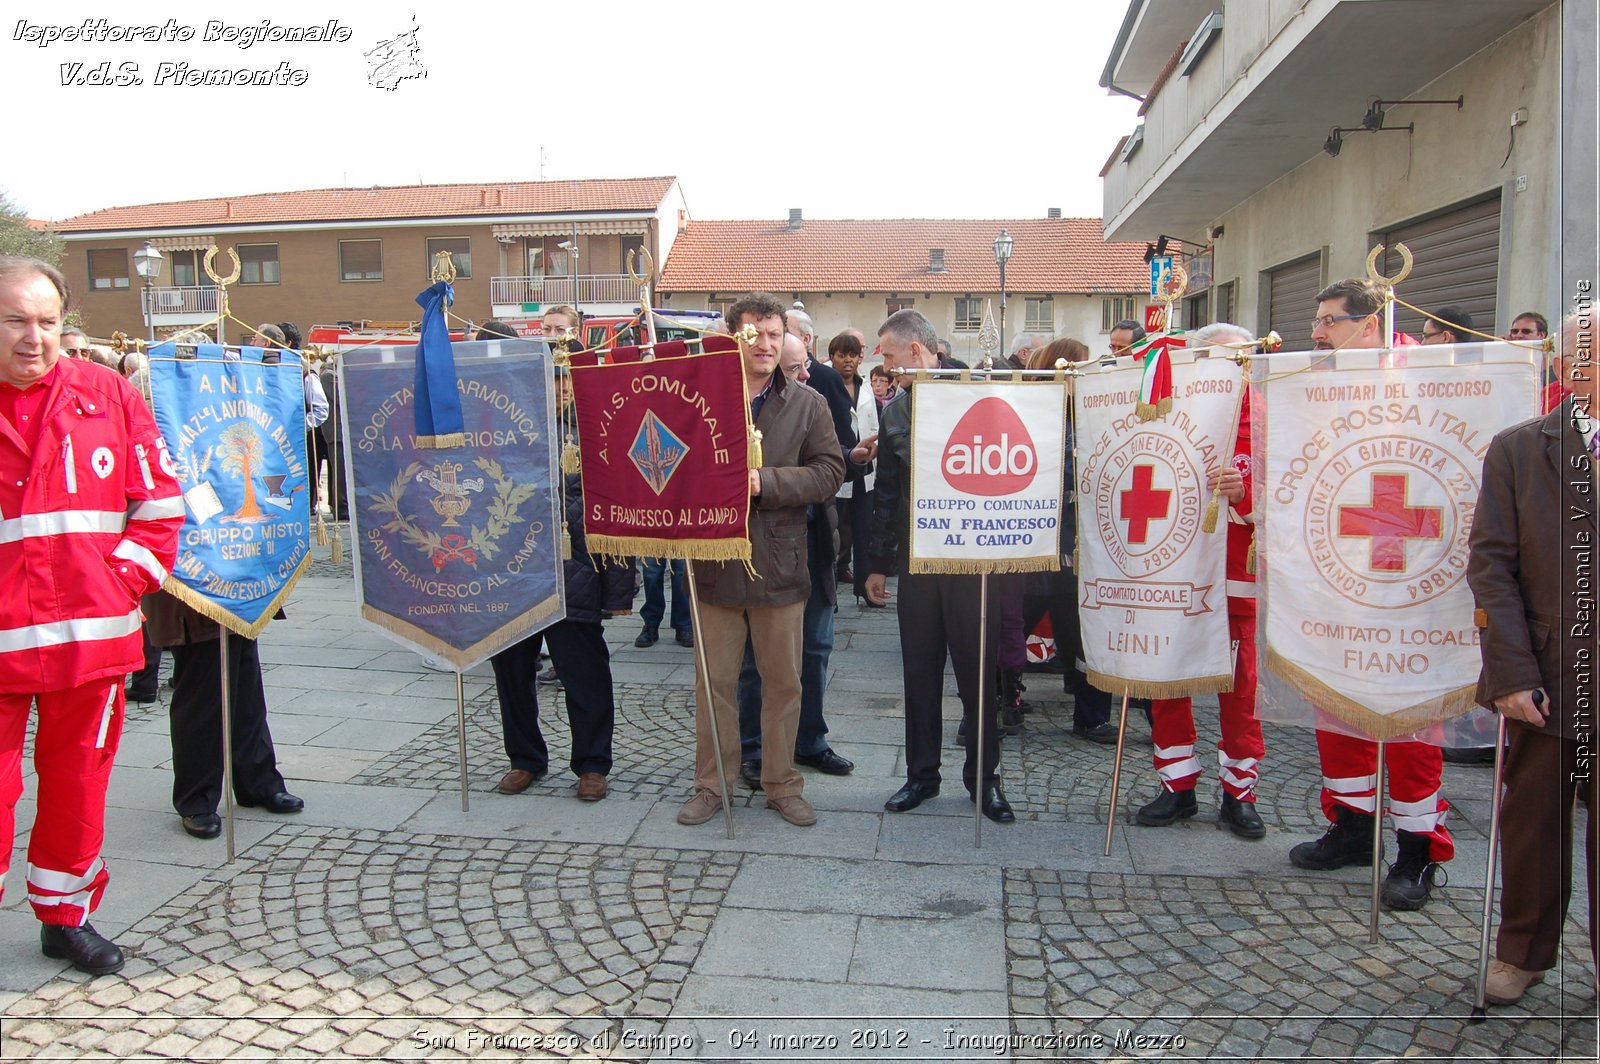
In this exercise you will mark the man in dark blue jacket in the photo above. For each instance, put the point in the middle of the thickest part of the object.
(578, 649)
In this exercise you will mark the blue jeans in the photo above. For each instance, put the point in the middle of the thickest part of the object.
(655, 601)
(817, 639)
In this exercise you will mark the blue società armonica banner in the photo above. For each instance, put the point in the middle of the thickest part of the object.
(458, 547)
(235, 432)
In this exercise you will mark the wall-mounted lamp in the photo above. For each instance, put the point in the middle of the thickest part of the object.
(1159, 248)
(1373, 119)
(1335, 142)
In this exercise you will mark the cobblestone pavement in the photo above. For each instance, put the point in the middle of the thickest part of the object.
(608, 932)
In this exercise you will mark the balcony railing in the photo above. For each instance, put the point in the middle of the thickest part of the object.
(185, 302)
(585, 288)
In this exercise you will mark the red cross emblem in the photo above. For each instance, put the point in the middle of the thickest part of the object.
(102, 463)
(1143, 503)
(1390, 522)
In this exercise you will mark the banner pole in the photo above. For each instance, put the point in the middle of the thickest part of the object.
(1116, 771)
(227, 738)
(1377, 844)
(461, 735)
(1479, 1001)
(703, 676)
(985, 692)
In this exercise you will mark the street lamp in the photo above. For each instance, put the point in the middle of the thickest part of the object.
(1002, 255)
(571, 248)
(147, 262)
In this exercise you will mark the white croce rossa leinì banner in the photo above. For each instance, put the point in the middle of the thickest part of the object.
(987, 476)
(1367, 478)
(1152, 583)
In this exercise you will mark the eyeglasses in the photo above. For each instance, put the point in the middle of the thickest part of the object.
(1533, 333)
(1327, 320)
(76, 352)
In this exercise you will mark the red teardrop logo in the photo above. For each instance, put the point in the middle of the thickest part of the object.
(990, 451)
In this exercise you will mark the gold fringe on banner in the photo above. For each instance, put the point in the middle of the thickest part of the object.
(535, 617)
(1151, 411)
(1049, 563)
(439, 443)
(206, 608)
(1375, 725)
(695, 550)
(1199, 685)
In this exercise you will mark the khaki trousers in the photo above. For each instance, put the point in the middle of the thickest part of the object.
(775, 634)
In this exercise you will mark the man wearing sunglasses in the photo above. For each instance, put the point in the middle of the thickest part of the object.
(74, 344)
(1350, 317)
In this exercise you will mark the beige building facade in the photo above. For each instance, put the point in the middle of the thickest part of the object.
(1237, 151)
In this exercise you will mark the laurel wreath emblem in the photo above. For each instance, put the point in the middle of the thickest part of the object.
(484, 542)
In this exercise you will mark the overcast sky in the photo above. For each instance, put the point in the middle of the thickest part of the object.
(847, 110)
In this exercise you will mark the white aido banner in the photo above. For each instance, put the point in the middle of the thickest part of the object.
(987, 477)
(1367, 478)
(1152, 584)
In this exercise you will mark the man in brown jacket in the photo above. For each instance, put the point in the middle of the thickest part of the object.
(1532, 574)
(801, 466)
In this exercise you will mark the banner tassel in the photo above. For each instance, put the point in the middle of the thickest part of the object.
(322, 531)
(571, 464)
(338, 549)
(1208, 523)
(1250, 556)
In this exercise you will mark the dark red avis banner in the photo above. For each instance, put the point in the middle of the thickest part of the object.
(665, 457)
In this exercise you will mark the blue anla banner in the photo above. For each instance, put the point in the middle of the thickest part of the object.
(458, 548)
(236, 436)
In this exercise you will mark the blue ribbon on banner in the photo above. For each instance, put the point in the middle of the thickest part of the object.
(438, 409)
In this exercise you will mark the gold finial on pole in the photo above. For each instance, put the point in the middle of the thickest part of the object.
(1172, 290)
(988, 337)
(444, 268)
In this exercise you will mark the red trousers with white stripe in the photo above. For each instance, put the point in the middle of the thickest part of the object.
(1350, 779)
(74, 744)
(1240, 751)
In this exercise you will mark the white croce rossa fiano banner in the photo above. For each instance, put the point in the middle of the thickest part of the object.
(1152, 583)
(987, 477)
(1367, 482)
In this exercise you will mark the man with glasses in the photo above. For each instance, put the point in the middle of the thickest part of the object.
(811, 736)
(74, 343)
(801, 467)
(1449, 325)
(1349, 317)
(1124, 335)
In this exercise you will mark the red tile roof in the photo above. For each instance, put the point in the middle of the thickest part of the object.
(1049, 255)
(401, 201)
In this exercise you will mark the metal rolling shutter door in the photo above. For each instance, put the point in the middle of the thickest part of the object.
(1456, 261)
(1292, 305)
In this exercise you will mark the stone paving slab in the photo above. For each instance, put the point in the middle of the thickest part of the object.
(385, 922)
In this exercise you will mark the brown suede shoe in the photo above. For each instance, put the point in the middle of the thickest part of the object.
(518, 780)
(795, 809)
(702, 807)
(592, 787)
(1507, 983)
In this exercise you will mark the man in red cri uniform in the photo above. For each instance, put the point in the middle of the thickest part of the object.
(89, 518)
(1172, 719)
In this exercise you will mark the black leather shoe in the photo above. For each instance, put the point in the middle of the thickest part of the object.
(995, 806)
(910, 796)
(648, 637)
(685, 638)
(827, 762)
(750, 772)
(1241, 818)
(203, 825)
(83, 946)
(1168, 808)
(282, 802)
(143, 699)
(1105, 734)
